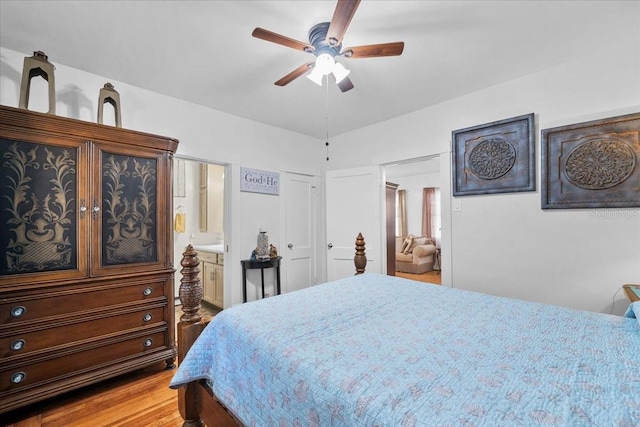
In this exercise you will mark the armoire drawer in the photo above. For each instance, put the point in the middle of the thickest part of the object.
(66, 301)
(26, 341)
(16, 376)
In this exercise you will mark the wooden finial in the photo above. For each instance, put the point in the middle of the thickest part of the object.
(360, 260)
(190, 292)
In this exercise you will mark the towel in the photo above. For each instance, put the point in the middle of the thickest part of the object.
(179, 223)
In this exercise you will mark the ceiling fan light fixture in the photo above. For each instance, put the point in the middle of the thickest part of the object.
(339, 72)
(324, 64)
(316, 76)
(325, 42)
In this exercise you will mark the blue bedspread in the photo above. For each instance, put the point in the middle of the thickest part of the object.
(374, 350)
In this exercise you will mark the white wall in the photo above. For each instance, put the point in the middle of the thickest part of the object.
(505, 244)
(204, 134)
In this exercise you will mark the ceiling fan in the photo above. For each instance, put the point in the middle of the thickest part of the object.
(325, 42)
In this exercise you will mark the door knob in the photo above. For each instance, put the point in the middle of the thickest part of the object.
(330, 245)
(290, 245)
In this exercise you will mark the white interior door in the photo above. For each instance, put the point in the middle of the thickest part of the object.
(353, 206)
(300, 221)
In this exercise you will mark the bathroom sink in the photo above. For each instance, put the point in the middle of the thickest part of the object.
(216, 248)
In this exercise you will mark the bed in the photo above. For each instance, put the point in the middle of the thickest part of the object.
(374, 350)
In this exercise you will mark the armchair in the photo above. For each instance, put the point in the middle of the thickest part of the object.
(414, 254)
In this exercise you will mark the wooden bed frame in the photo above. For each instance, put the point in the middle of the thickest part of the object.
(196, 401)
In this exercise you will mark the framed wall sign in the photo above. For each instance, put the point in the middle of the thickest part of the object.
(594, 164)
(259, 181)
(497, 157)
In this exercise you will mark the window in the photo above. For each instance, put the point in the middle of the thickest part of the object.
(431, 222)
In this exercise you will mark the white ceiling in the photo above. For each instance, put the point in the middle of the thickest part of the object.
(203, 52)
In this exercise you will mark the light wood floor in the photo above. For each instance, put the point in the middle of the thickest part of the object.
(142, 399)
(428, 277)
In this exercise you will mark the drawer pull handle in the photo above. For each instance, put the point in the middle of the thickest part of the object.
(148, 342)
(147, 317)
(17, 345)
(147, 292)
(18, 311)
(18, 377)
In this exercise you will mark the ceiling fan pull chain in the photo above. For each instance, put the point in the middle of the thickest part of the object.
(327, 115)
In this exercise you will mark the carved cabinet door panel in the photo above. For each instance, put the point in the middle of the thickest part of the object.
(43, 207)
(128, 210)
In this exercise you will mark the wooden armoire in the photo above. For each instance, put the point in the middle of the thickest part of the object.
(86, 254)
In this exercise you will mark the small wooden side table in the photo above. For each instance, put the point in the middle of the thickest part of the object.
(251, 264)
(629, 292)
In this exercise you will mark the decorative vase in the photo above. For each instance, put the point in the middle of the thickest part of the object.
(262, 251)
(38, 66)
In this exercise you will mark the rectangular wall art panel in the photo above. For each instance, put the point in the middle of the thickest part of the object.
(497, 157)
(592, 165)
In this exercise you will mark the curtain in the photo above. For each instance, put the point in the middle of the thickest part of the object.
(401, 213)
(428, 210)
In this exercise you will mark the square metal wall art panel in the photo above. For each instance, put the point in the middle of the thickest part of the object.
(592, 165)
(497, 157)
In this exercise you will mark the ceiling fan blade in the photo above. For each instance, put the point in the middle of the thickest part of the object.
(295, 74)
(272, 37)
(345, 84)
(345, 9)
(374, 50)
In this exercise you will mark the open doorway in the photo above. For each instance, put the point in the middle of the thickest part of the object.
(199, 220)
(414, 218)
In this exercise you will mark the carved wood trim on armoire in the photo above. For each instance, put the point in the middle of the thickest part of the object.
(86, 254)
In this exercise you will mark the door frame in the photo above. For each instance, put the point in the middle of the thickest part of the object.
(227, 230)
(446, 260)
